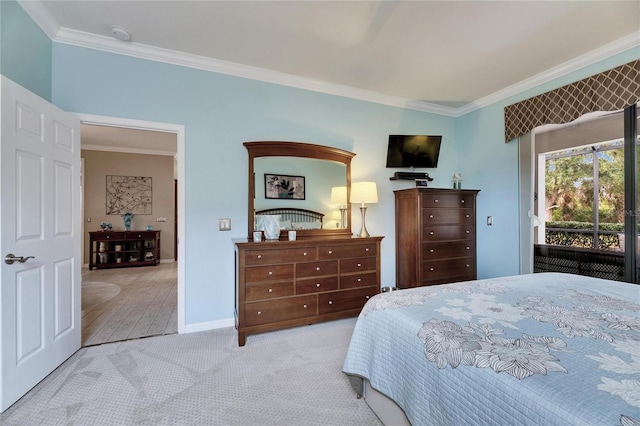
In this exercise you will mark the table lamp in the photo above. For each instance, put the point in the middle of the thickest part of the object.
(339, 197)
(364, 192)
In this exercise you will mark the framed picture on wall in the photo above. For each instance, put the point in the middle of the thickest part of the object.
(278, 186)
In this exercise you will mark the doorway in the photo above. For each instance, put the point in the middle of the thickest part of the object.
(133, 302)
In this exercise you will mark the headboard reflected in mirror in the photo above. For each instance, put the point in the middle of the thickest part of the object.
(298, 177)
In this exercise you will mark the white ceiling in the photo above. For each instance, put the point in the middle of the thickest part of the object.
(450, 56)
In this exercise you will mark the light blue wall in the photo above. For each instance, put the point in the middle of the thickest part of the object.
(491, 165)
(25, 51)
(220, 112)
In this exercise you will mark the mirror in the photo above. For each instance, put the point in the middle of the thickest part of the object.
(296, 176)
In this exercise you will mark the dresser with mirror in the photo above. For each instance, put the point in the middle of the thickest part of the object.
(324, 273)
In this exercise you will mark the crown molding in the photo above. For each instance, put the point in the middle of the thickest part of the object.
(126, 150)
(590, 58)
(43, 19)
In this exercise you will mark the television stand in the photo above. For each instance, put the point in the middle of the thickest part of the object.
(410, 176)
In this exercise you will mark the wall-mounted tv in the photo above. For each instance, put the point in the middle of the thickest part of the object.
(413, 151)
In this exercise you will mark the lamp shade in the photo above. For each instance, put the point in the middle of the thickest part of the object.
(339, 195)
(364, 192)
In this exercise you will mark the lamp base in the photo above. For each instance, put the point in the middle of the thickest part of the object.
(363, 230)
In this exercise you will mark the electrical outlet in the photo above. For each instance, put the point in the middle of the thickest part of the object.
(224, 224)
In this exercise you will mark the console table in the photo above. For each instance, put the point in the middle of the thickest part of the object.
(120, 249)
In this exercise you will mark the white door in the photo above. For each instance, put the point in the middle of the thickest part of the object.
(39, 212)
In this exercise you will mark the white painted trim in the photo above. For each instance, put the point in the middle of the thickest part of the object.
(179, 130)
(127, 150)
(210, 325)
(43, 19)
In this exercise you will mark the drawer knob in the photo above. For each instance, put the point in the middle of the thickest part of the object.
(318, 285)
(139, 236)
(366, 297)
(367, 249)
(431, 269)
(304, 306)
(259, 312)
(467, 247)
(270, 273)
(304, 254)
(435, 201)
(431, 233)
(108, 237)
(317, 268)
(462, 201)
(270, 290)
(331, 302)
(431, 251)
(466, 215)
(359, 280)
(467, 265)
(466, 232)
(430, 216)
(359, 265)
(259, 256)
(330, 251)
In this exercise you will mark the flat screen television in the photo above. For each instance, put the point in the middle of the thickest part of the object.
(414, 151)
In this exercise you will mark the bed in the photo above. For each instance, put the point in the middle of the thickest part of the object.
(538, 349)
(294, 219)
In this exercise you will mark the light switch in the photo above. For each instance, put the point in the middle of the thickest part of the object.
(224, 224)
(489, 220)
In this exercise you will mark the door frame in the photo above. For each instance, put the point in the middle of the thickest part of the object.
(179, 131)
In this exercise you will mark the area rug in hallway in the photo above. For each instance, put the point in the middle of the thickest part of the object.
(287, 377)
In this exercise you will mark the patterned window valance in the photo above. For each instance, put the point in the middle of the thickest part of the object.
(611, 90)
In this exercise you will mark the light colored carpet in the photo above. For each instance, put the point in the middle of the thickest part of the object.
(287, 377)
(96, 292)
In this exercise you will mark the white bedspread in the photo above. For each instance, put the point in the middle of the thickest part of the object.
(540, 349)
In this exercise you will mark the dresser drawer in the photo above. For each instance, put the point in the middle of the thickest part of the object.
(140, 235)
(359, 280)
(316, 269)
(358, 265)
(288, 255)
(256, 274)
(447, 216)
(315, 285)
(258, 313)
(447, 200)
(268, 290)
(450, 267)
(432, 232)
(434, 251)
(340, 301)
(347, 250)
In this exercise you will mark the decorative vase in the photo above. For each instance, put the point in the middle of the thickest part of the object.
(270, 225)
(127, 221)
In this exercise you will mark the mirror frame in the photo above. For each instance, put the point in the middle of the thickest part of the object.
(304, 150)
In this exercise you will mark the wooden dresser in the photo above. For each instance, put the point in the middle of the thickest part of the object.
(118, 249)
(283, 284)
(435, 236)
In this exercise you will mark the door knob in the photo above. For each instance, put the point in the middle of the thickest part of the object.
(10, 258)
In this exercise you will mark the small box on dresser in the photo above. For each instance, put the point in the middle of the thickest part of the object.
(435, 236)
(282, 284)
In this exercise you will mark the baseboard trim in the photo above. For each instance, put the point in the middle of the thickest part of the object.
(210, 325)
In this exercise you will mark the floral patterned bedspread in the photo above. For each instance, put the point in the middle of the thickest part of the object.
(539, 349)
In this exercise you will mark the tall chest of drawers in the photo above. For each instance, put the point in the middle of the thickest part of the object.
(435, 236)
(283, 284)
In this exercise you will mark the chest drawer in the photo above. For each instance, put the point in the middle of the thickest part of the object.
(347, 251)
(288, 255)
(256, 274)
(316, 269)
(447, 200)
(139, 235)
(359, 280)
(109, 236)
(432, 232)
(433, 251)
(348, 266)
(315, 285)
(268, 290)
(345, 300)
(448, 268)
(447, 216)
(258, 313)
